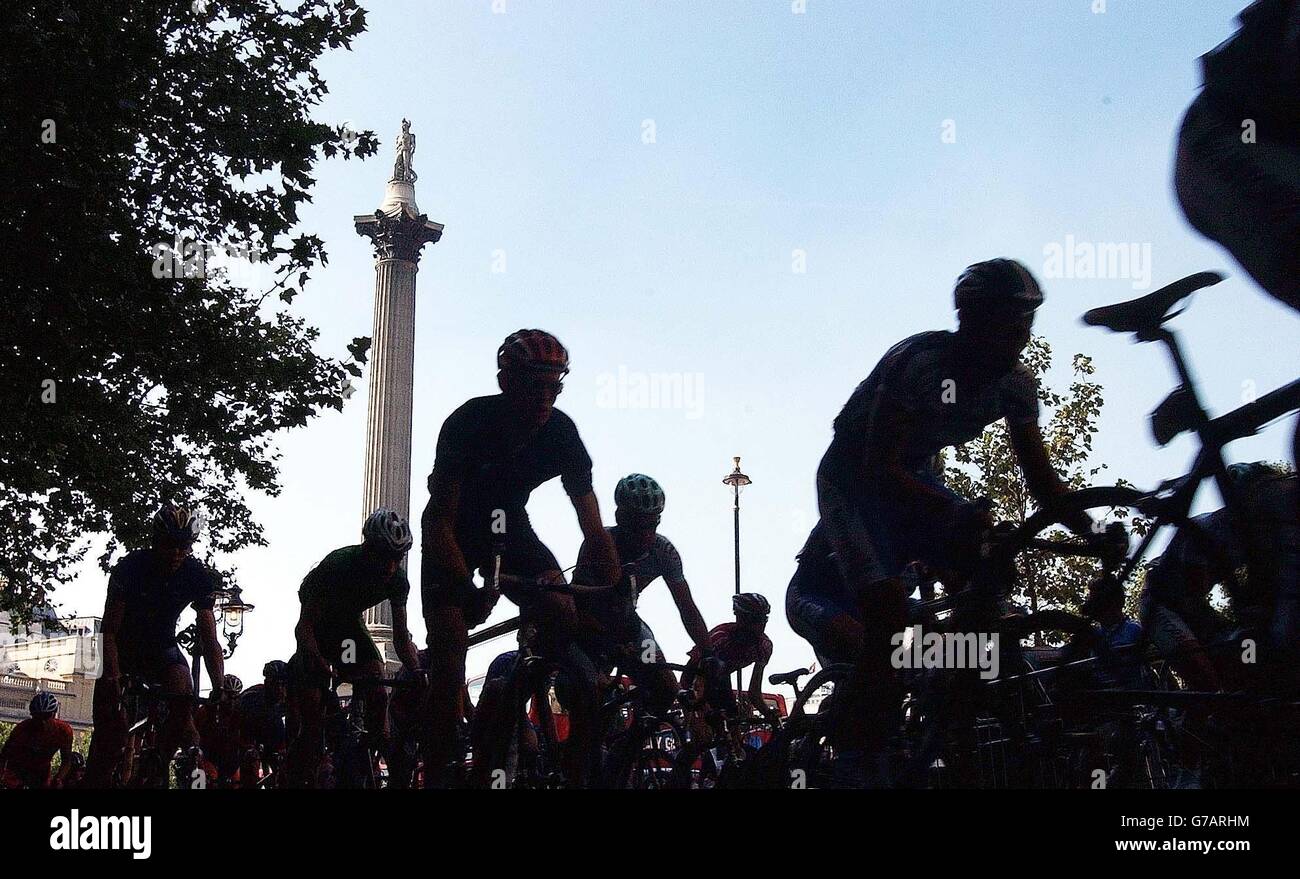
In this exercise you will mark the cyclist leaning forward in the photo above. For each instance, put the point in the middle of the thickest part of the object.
(883, 507)
(332, 638)
(147, 591)
(492, 452)
(613, 632)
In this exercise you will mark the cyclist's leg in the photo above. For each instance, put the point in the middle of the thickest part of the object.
(108, 741)
(307, 713)
(448, 641)
(819, 613)
(177, 689)
(485, 732)
(579, 694)
(649, 669)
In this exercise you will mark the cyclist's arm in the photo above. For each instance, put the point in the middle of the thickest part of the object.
(755, 691)
(305, 633)
(583, 572)
(65, 764)
(438, 525)
(603, 558)
(114, 612)
(212, 656)
(402, 642)
(1040, 476)
(692, 620)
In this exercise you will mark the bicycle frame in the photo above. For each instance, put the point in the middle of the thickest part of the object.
(1213, 434)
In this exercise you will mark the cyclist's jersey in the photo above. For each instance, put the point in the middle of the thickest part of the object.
(31, 747)
(220, 741)
(154, 601)
(736, 647)
(619, 605)
(921, 377)
(263, 720)
(474, 446)
(342, 587)
(1258, 68)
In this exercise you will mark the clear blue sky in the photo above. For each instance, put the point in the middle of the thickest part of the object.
(774, 132)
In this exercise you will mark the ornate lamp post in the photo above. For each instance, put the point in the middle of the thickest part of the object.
(230, 609)
(737, 481)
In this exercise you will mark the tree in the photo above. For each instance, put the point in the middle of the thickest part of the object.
(986, 467)
(142, 137)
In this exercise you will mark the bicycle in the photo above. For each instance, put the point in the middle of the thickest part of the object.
(351, 758)
(644, 747)
(510, 757)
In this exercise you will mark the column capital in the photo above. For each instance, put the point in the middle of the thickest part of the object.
(399, 235)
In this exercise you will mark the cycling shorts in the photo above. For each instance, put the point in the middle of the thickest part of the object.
(303, 676)
(522, 555)
(817, 593)
(151, 666)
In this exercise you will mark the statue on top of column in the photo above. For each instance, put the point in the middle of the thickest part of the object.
(402, 170)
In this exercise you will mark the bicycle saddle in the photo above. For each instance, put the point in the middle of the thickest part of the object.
(790, 677)
(1145, 313)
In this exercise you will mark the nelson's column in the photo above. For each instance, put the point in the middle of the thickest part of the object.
(398, 231)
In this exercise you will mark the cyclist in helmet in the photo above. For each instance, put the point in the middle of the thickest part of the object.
(732, 647)
(27, 754)
(147, 591)
(1207, 552)
(220, 726)
(492, 452)
(882, 505)
(609, 619)
(332, 639)
(262, 711)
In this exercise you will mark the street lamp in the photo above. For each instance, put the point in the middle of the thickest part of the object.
(737, 480)
(230, 608)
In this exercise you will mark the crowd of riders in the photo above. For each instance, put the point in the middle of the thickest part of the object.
(883, 511)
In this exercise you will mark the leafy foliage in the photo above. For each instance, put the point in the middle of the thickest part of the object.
(131, 127)
(986, 467)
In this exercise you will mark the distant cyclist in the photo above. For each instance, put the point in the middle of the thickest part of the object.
(220, 727)
(609, 619)
(147, 591)
(333, 643)
(263, 709)
(732, 647)
(1207, 553)
(27, 754)
(882, 505)
(492, 452)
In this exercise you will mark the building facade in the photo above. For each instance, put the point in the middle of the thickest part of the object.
(61, 656)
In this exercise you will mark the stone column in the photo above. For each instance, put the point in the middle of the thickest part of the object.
(398, 231)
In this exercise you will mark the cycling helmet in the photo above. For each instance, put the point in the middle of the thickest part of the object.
(387, 531)
(750, 606)
(997, 284)
(1242, 475)
(43, 703)
(178, 524)
(233, 684)
(640, 494)
(276, 670)
(534, 350)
